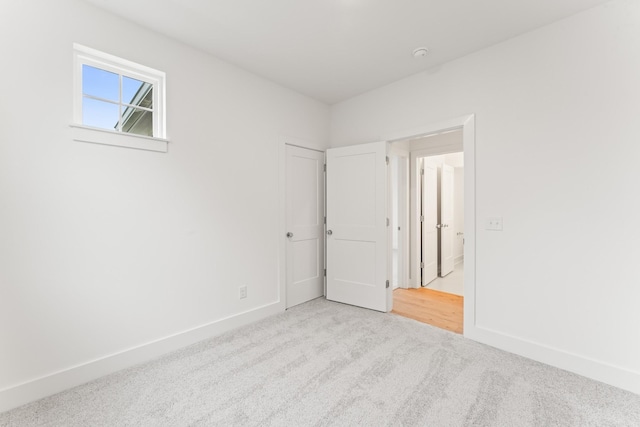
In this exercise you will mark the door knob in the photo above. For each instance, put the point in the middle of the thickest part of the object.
(289, 234)
(438, 225)
(329, 232)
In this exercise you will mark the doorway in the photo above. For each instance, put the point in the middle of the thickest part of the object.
(435, 295)
(442, 222)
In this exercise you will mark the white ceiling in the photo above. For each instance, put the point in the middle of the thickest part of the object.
(332, 50)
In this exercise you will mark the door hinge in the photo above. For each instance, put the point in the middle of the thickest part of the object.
(421, 218)
(324, 167)
(422, 265)
(387, 284)
(325, 272)
(421, 171)
(325, 219)
(386, 159)
(388, 222)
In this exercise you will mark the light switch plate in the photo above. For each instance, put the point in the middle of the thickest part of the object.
(493, 224)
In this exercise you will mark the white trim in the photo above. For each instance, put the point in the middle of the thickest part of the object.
(402, 158)
(429, 129)
(282, 224)
(119, 139)
(469, 249)
(56, 382)
(84, 55)
(116, 61)
(416, 164)
(591, 368)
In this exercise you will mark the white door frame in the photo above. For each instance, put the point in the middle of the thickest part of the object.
(445, 202)
(282, 212)
(402, 220)
(467, 124)
(402, 157)
(427, 269)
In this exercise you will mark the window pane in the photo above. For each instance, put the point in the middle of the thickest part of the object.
(136, 92)
(100, 114)
(137, 121)
(100, 83)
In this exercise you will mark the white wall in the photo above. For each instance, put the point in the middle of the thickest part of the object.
(555, 150)
(105, 249)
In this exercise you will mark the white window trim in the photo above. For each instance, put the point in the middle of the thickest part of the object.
(85, 55)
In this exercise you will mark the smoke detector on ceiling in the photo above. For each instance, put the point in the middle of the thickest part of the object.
(420, 52)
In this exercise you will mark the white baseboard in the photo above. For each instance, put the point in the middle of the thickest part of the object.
(457, 260)
(584, 366)
(56, 382)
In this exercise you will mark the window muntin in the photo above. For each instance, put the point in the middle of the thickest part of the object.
(117, 95)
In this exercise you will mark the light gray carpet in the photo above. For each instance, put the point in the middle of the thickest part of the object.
(323, 363)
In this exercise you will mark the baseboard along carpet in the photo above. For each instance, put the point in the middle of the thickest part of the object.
(322, 364)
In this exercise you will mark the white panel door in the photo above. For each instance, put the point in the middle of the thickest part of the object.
(305, 225)
(446, 219)
(357, 232)
(429, 222)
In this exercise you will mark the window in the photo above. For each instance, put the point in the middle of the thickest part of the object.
(118, 102)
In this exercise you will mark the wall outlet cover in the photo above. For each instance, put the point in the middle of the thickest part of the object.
(493, 224)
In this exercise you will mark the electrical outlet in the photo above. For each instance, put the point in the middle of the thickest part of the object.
(243, 292)
(494, 224)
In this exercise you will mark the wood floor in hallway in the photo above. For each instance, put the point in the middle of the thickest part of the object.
(425, 305)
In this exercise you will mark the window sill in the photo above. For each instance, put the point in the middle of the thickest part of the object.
(118, 139)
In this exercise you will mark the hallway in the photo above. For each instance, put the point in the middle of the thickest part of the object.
(439, 304)
(452, 283)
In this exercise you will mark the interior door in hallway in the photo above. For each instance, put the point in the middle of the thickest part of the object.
(429, 221)
(446, 220)
(357, 226)
(305, 225)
